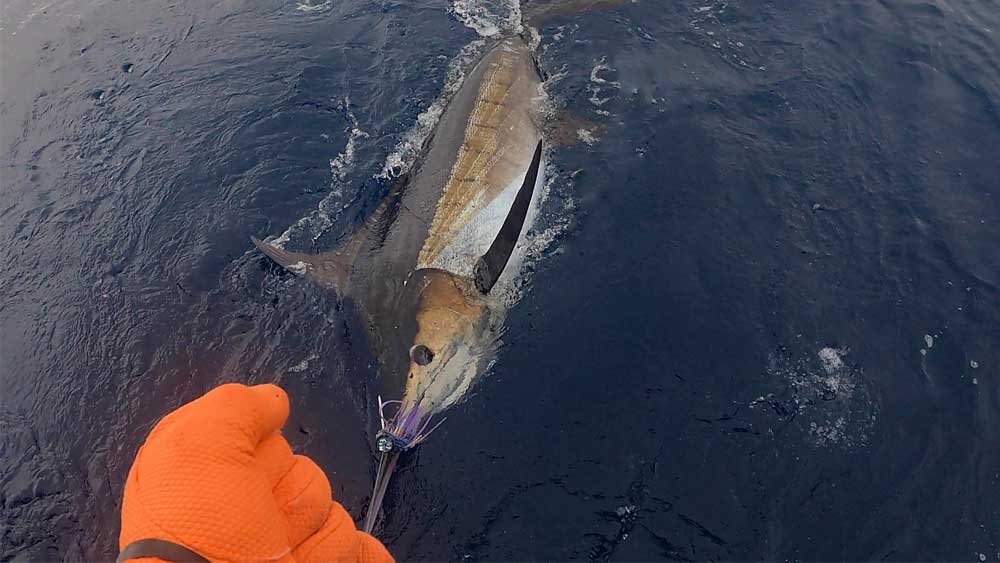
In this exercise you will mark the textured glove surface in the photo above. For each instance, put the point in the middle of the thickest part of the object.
(217, 476)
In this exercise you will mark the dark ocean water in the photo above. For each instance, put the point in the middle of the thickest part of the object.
(766, 325)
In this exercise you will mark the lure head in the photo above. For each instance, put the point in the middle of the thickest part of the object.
(384, 443)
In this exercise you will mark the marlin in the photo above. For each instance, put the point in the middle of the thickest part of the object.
(422, 266)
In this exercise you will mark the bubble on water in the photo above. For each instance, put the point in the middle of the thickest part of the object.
(832, 360)
(340, 165)
(711, 27)
(303, 365)
(599, 85)
(600, 67)
(310, 8)
(830, 433)
(929, 340)
(821, 395)
(587, 136)
(626, 511)
(973, 364)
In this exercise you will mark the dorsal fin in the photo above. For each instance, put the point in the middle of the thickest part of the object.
(329, 269)
(490, 265)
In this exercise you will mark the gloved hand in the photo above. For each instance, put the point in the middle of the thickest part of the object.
(217, 477)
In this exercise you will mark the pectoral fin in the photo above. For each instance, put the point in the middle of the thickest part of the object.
(329, 269)
(332, 269)
(490, 265)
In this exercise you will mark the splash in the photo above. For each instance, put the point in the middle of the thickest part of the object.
(486, 19)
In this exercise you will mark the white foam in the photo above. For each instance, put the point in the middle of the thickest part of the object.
(515, 20)
(831, 359)
(340, 165)
(587, 136)
(476, 16)
(833, 432)
(598, 84)
(707, 20)
(828, 399)
(303, 365)
(314, 8)
(599, 67)
(534, 39)
(929, 340)
(484, 19)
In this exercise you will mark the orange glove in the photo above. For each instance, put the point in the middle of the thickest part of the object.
(216, 477)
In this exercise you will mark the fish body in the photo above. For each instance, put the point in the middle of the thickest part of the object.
(421, 267)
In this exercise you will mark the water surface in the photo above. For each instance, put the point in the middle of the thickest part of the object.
(759, 319)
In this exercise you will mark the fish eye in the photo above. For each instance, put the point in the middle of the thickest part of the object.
(421, 355)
